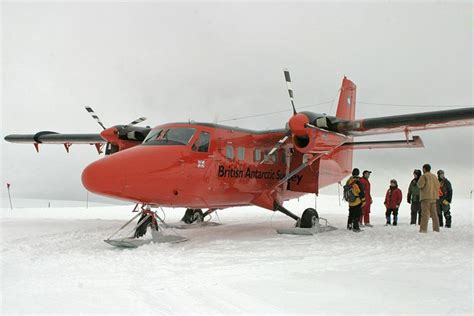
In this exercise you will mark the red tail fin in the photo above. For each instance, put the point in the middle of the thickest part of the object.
(347, 100)
(345, 111)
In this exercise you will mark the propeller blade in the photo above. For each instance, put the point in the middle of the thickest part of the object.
(137, 121)
(290, 90)
(94, 116)
(277, 145)
(297, 170)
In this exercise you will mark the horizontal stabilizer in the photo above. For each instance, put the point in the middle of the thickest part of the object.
(416, 142)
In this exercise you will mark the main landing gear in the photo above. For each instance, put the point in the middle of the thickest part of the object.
(308, 224)
(193, 215)
(193, 218)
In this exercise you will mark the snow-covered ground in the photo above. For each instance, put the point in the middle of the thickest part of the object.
(53, 260)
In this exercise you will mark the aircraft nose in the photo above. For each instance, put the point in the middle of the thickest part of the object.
(104, 177)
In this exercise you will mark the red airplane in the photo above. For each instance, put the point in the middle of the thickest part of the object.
(210, 166)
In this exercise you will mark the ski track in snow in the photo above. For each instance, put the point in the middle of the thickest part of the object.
(54, 260)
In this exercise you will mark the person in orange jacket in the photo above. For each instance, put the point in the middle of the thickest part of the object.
(393, 198)
(364, 220)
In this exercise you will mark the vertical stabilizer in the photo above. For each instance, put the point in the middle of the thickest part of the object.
(347, 100)
(346, 111)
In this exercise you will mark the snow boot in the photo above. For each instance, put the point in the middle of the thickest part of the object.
(448, 221)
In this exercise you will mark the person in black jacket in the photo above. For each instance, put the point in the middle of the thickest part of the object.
(413, 198)
(445, 197)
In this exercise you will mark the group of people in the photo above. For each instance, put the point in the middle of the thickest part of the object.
(428, 195)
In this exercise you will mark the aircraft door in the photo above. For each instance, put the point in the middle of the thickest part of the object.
(201, 163)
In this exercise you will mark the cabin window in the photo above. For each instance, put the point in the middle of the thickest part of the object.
(266, 158)
(257, 155)
(229, 152)
(170, 136)
(274, 157)
(202, 144)
(241, 153)
(283, 157)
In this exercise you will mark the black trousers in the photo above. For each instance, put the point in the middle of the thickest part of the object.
(395, 215)
(415, 211)
(446, 210)
(354, 214)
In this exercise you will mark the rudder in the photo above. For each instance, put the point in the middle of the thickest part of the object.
(346, 111)
(347, 100)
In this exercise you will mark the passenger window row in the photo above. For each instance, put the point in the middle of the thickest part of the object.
(258, 155)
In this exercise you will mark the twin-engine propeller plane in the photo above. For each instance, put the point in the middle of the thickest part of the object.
(210, 166)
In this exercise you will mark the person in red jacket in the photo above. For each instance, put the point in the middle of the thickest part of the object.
(393, 198)
(364, 219)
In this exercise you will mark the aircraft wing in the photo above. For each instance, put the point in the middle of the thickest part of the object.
(47, 137)
(408, 122)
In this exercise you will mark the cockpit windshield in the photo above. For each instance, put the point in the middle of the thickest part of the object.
(170, 136)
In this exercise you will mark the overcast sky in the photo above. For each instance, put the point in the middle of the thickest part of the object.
(206, 62)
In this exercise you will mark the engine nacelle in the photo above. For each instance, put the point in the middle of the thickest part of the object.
(305, 138)
(121, 137)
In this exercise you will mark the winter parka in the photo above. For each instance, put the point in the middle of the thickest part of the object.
(393, 198)
(366, 184)
(357, 190)
(413, 194)
(446, 190)
(429, 186)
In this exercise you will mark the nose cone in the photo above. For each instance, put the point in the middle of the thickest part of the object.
(104, 177)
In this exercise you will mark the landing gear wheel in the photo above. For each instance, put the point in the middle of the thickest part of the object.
(188, 216)
(309, 218)
(198, 216)
(193, 216)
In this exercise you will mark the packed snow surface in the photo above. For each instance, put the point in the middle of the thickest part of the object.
(54, 260)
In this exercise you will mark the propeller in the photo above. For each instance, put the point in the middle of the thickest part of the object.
(298, 126)
(120, 132)
(300, 122)
(137, 121)
(96, 117)
(290, 90)
(289, 132)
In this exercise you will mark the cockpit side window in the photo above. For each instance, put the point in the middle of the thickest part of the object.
(202, 144)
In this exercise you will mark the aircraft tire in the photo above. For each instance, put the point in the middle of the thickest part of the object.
(198, 216)
(188, 216)
(309, 218)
